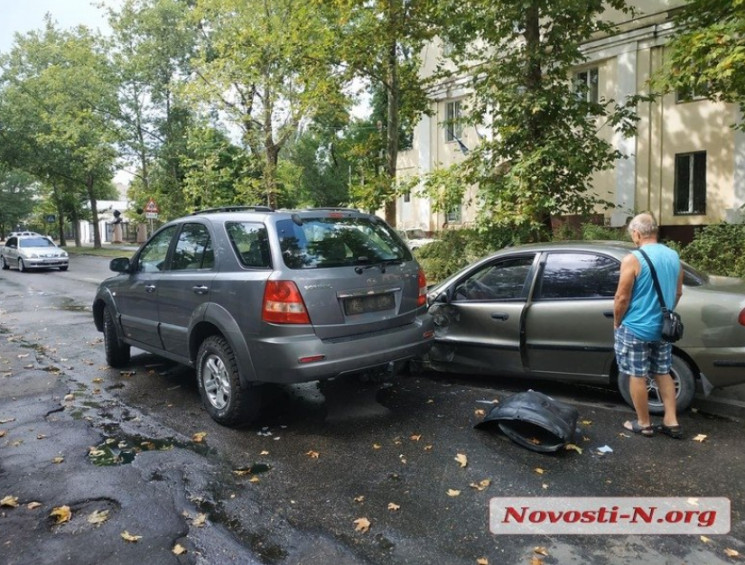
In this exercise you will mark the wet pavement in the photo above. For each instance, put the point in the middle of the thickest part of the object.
(345, 472)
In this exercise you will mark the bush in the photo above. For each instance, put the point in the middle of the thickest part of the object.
(718, 249)
(454, 249)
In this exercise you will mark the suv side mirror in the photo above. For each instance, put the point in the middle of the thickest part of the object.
(120, 265)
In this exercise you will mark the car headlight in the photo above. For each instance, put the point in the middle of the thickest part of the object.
(63, 254)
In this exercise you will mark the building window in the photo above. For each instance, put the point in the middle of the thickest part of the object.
(454, 215)
(690, 183)
(586, 84)
(453, 127)
(407, 196)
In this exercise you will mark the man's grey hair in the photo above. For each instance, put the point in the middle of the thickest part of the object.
(644, 223)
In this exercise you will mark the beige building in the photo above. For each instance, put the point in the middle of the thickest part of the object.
(686, 163)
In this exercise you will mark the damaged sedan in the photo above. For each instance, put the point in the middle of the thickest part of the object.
(546, 311)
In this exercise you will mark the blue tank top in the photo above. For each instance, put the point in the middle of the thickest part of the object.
(644, 316)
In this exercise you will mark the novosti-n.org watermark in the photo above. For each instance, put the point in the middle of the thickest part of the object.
(609, 515)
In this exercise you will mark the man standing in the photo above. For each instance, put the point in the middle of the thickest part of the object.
(637, 319)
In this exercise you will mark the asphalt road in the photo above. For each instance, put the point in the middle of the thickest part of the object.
(346, 472)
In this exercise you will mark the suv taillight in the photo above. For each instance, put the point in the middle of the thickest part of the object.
(422, 298)
(741, 317)
(283, 304)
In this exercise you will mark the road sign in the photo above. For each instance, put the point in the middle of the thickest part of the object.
(151, 215)
(151, 207)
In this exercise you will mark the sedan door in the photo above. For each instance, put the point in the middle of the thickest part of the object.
(569, 323)
(479, 328)
(137, 295)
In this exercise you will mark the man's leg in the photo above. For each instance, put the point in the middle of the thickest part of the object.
(666, 385)
(640, 398)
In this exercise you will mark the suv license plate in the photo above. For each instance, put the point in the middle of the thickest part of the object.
(372, 303)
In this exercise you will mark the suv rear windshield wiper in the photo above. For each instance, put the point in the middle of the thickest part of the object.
(380, 263)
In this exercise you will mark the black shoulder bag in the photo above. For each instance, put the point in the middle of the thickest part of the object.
(672, 325)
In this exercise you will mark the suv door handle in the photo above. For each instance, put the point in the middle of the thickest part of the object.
(500, 316)
(608, 313)
(149, 288)
(200, 289)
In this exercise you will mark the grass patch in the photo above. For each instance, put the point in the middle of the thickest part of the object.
(102, 252)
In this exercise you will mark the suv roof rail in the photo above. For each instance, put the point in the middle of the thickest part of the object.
(234, 209)
(335, 209)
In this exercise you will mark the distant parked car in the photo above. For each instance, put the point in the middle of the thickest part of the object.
(32, 252)
(415, 238)
(252, 295)
(546, 311)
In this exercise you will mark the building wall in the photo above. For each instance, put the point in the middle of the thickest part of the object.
(645, 180)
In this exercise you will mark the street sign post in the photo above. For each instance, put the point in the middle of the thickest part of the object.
(151, 212)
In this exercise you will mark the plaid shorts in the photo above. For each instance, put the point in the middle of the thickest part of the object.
(639, 358)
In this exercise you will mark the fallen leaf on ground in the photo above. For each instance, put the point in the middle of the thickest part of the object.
(69, 397)
(62, 514)
(700, 438)
(199, 521)
(479, 412)
(461, 459)
(130, 537)
(58, 460)
(98, 516)
(178, 549)
(2, 433)
(535, 441)
(41, 436)
(482, 561)
(362, 525)
(377, 446)
(416, 437)
(393, 506)
(535, 560)
(254, 480)
(731, 552)
(7, 420)
(586, 422)
(428, 447)
(453, 492)
(705, 539)
(97, 379)
(576, 448)
(10, 501)
(313, 454)
(540, 551)
(265, 452)
(539, 470)
(359, 498)
(481, 485)
(199, 437)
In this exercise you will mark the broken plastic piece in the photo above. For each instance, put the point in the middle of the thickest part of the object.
(533, 420)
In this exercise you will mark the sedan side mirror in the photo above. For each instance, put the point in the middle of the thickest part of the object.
(120, 265)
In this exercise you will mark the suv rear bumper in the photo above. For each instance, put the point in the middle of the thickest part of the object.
(306, 358)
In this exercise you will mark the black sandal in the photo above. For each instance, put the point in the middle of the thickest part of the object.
(671, 431)
(646, 431)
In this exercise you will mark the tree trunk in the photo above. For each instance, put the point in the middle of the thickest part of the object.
(94, 212)
(392, 131)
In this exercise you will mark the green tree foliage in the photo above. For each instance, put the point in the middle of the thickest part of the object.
(17, 193)
(264, 70)
(57, 103)
(540, 145)
(380, 44)
(706, 56)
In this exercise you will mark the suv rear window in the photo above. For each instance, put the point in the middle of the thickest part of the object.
(339, 241)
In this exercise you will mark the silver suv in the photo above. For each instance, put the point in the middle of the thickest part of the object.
(250, 295)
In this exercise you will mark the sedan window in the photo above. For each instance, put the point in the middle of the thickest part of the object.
(504, 279)
(578, 275)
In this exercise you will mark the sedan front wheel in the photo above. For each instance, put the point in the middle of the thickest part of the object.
(685, 388)
(21, 266)
(226, 401)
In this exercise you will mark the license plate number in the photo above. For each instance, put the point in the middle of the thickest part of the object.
(371, 303)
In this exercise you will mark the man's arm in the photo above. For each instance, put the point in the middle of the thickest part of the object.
(629, 270)
(679, 291)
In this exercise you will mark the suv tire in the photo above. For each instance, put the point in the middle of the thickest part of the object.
(226, 401)
(117, 352)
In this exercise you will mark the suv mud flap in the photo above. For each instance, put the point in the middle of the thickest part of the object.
(535, 421)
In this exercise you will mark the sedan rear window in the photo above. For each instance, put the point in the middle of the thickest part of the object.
(339, 241)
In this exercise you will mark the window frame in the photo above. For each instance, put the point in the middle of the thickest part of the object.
(453, 127)
(538, 294)
(696, 183)
(585, 87)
